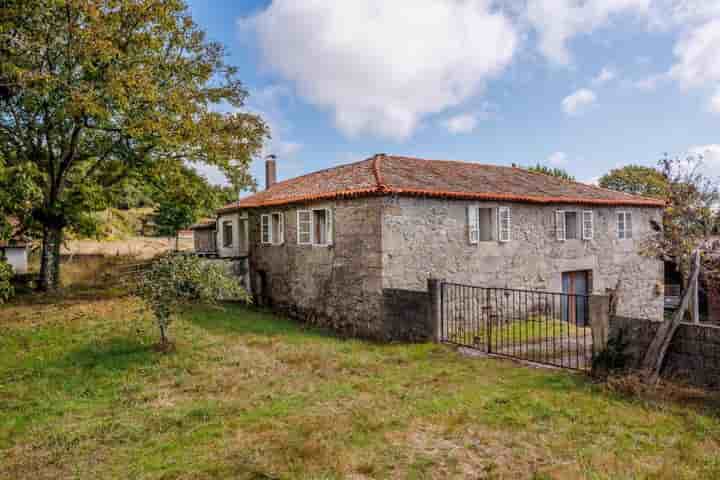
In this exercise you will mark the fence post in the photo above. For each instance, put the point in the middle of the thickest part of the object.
(435, 320)
(599, 321)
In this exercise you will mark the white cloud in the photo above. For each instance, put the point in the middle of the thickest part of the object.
(557, 159)
(463, 123)
(381, 66)
(648, 83)
(557, 21)
(710, 155)
(577, 102)
(287, 148)
(715, 102)
(606, 75)
(698, 55)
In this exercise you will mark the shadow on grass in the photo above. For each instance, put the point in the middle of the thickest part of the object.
(112, 355)
(247, 320)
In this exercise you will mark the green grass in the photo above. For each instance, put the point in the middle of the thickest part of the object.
(532, 330)
(83, 394)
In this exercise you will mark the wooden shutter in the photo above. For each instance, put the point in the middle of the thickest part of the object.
(588, 226)
(304, 227)
(281, 229)
(621, 225)
(265, 233)
(628, 225)
(560, 225)
(504, 224)
(328, 227)
(473, 224)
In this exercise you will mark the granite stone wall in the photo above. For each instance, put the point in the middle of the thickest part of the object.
(693, 356)
(337, 286)
(424, 238)
(406, 315)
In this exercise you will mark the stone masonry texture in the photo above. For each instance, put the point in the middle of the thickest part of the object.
(386, 247)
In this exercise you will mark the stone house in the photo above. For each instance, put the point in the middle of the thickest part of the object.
(15, 250)
(332, 246)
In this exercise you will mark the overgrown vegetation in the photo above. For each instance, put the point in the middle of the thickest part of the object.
(175, 281)
(247, 395)
(6, 275)
(552, 171)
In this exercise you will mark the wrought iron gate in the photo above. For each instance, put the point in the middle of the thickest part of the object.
(537, 326)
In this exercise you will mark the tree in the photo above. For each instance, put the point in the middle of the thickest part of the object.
(688, 218)
(555, 172)
(93, 92)
(637, 180)
(171, 217)
(178, 280)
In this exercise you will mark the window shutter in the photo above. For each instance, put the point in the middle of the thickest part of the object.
(328, 226)
(473, 224)
(588, 227)
(265, 228)
(628, 225)
(560, 225)
(281, 228)
(304, 227)
(505, 224)
(621, 225)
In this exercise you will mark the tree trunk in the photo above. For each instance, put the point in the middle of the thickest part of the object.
(50, 260)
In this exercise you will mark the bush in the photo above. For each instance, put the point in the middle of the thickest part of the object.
(6, 276)
(614, 357)
(176, 280)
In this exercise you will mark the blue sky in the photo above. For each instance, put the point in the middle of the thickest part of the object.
(584, 85)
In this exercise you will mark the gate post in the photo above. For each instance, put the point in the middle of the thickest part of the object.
(435, 321)
(599, 321)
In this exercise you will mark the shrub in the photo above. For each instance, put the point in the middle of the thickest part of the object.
(6, 275)
(614, 357)
(176, 280)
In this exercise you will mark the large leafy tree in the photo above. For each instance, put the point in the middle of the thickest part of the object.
(93, 92)
(637, 180)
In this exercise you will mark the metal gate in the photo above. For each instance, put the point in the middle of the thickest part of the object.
(537, 326)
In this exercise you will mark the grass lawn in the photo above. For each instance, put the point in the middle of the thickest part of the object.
(248, 395)
(535, 329)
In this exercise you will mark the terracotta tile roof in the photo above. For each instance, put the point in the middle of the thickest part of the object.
(395, 175)
(18, 240)
(203, 223)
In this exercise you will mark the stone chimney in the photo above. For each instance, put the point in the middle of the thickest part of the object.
(270, 171)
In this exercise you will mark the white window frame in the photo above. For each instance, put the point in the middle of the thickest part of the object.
(560, 227)
(329, 227)
(309, 223)
(580, 217)
(265, 227)
(281, 228)
(588, 225)
(225, 243)
(504, 233)
(626, 233)
(473, 218)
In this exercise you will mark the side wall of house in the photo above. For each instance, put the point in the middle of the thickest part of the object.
(17, 258)
(429, 238)
(340, 285)
(234, 250)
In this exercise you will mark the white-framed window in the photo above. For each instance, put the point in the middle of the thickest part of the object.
(272, 228)
(504, 224)
(227, 233)
(305, 227)
(624, 225)
(315, 227)
(588, 225)
(486, 224)
(573, 225)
